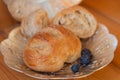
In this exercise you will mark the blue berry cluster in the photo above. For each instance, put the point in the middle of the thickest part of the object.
(85, 60)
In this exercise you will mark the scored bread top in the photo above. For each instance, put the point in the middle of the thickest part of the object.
(78, 20)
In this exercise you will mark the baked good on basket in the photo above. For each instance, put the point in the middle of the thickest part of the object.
(48, 50)
(77, 19)
(34, 22)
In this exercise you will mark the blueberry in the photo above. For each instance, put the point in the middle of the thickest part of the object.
(86, 51)
(86, 57)
(75, 68)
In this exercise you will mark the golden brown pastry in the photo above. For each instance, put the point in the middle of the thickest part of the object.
(34, 22)
(48, 50)
(77, 19)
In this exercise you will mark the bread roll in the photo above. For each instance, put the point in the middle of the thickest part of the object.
(78, 20)
(22, 8)
(48, 50)
(34, 22)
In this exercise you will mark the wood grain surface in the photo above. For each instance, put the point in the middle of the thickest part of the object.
(105, 11)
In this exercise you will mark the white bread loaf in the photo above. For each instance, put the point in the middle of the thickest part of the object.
(22, 8)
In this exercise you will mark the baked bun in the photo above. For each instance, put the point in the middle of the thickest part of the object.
(78, 20)
(34, 22)
(48, 50)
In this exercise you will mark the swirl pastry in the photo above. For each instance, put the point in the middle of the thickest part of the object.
(34, 22)
(78, 20)
(48, 50)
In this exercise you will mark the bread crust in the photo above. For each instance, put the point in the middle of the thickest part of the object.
(48, 50)
(78, 20)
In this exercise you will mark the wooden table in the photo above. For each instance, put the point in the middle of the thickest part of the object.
(106, 11)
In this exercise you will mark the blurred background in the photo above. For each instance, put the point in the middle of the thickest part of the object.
(105, 11)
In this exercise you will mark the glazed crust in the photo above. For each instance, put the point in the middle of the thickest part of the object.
(48, 50)
(78, 20)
